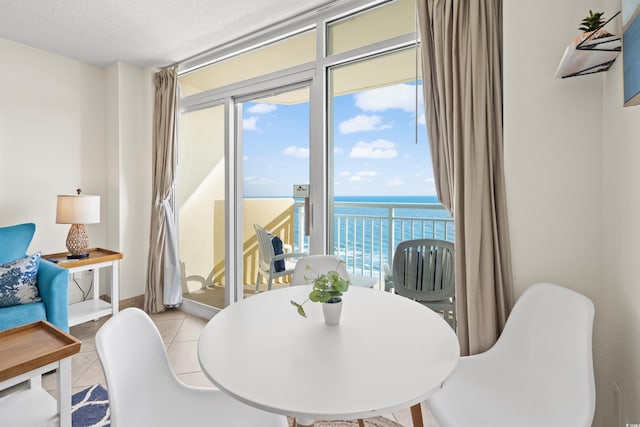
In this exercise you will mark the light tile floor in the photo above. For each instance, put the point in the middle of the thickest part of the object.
(180, 333)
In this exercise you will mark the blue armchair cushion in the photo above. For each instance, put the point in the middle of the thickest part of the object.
(18, 281)
(52, 282)
(276, 242)
(15, 240)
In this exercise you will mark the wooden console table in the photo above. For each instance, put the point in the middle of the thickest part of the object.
(94, 308)
(27, 352)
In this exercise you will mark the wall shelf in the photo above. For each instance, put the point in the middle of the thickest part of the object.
(588, 55)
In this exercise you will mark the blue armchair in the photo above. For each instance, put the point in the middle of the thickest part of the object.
(53, 283)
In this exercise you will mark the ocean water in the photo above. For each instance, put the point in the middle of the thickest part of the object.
(367, 229)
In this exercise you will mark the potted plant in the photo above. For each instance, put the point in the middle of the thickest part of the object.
(591, 27)
(328, 289)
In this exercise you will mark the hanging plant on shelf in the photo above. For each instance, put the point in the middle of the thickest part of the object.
(592, 22)
(591, 27)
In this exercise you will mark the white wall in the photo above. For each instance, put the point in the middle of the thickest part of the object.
(52, 141)
(129, 177)
(571, 159)
(621, 249)
(64, 125)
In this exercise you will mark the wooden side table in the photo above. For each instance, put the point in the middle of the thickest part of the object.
(27, 352)
(92, 309)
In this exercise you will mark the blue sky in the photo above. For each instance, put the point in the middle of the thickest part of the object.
(375, 152)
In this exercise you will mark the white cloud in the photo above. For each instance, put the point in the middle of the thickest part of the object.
(378, 149)
(362, 122)
(402, 96)
(345, 173)
(395, 182)
(250, 123)
(258, 180)
(245, 158)
(294, 151)
(363, 176)
(338, 151)
(262, 108)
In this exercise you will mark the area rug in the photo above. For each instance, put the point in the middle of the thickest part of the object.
(90, 408)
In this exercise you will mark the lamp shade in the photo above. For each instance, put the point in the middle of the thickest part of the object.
(78, 209)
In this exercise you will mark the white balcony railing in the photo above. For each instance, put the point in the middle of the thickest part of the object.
(365, 235)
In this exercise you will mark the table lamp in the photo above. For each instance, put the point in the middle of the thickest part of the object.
(78, 210)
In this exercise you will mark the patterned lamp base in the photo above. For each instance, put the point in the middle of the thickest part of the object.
(78, 241)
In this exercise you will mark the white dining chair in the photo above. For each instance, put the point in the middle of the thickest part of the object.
(144, 391)
(538, 373)
(308, 267)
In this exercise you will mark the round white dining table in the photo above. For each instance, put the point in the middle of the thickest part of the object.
(387, 353)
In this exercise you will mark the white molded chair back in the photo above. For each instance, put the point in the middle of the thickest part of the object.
(144, 391)
(318, 264)
(424, 270)
(265, 248)
(538, 373)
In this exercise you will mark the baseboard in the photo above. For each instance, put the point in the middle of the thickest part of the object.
(193, 308)
(137, 301)
(198, 309)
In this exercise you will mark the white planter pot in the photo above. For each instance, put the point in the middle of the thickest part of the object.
(332, 311)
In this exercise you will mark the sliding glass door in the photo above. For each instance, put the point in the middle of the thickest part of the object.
(274, 137)
(326, 106)
(380, 156)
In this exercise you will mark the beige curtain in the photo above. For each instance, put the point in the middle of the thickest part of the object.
(163, 274)
(462, 50)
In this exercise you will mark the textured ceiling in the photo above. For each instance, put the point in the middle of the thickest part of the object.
(140, 32)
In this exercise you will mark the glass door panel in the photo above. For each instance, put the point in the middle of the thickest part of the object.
(275, 146)
(200, 195)
(380, 156)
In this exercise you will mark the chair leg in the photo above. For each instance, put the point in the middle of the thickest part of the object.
(258, 282)
(360, 422)
(270, 280)
(416, 415)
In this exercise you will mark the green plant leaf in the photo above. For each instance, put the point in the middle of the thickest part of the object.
(592, 22)
(300, 309)
(319, 295)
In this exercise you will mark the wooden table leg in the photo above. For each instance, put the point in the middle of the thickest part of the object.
(361, 422)
(416, 415)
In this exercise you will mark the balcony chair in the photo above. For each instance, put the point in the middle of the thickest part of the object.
(424, 270)
(52, 283)
(144, 391)
(202, 282)
(538, 373)
(269, 260)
